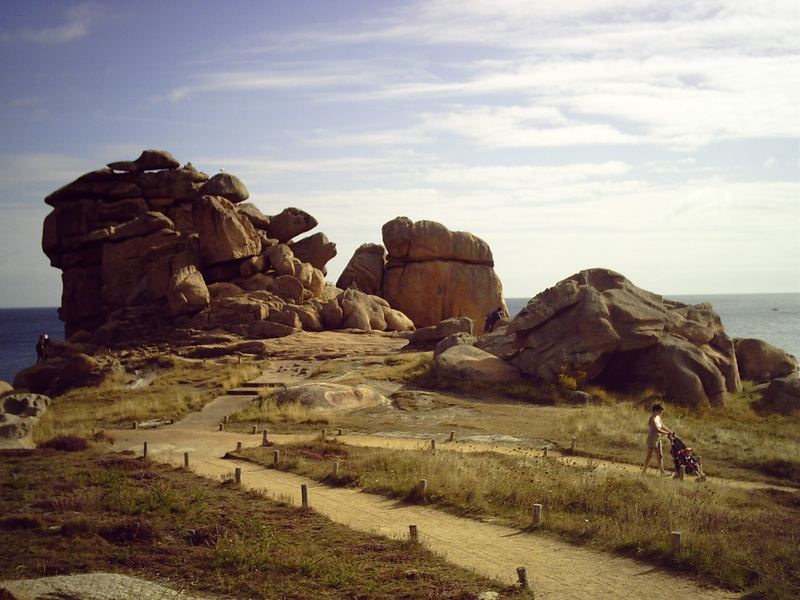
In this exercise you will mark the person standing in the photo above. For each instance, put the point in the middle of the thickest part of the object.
(41, 348)
(655, 429)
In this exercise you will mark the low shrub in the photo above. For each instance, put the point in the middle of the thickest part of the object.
(66, 443)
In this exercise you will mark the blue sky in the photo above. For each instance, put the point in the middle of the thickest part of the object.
(657, 139)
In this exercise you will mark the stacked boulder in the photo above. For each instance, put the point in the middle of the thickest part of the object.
(597, 325)
(146, 245)
(428, 272)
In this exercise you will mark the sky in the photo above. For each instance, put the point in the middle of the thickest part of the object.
(657, 139)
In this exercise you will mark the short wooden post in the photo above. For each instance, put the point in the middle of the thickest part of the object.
(537, 515)
(433, 445)
(185, 460)
(238, 446)
(276, 457)
(546, 450)
(522, 575)
(452, 436)
(304, 495)
(339, 431)
(254, 430)
(676, 541)
(144, 451)
(172, 421)
(237, 476)
(264, 439)
(574, 441)
(413, 534)
(422, 489)
(322, 435)
(135, 425)
(681, 472)
(336, 468)
(225, 419)
(222, 426)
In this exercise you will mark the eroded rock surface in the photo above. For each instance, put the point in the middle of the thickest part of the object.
(760, 361)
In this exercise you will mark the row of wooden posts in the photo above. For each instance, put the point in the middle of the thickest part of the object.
(422, 490)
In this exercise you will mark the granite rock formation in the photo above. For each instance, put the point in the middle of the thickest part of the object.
(783, 395)
(19, 412)
(599, 324)
(146, 248)
(761, 362)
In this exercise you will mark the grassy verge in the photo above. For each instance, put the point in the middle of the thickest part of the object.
(83, 511)
(173, 392)
(745, 540)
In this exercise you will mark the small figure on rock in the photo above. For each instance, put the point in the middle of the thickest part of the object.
(41, 348)
(492, 318)
(655, 428)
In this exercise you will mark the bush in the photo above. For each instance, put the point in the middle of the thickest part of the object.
(66, 443)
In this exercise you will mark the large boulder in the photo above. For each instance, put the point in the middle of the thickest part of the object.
(187, 291)
(149, 160)
(56, 375)
(315, 249)
(445, 328)
(463, 362)
(361, 311)
(761, 361)
(598, 325)
(783, 395)
(19, 412)
(5, 387)
(365, 270)
(227, 186)
(224, 235)
(331, 396)
(290, 223)
(432, 273)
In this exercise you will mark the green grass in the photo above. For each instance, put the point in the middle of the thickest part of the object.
(78, 512)
(742, 539)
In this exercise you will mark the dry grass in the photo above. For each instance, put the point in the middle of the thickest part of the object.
(281, 416)
(175, 391)
(746, 540)
(403, 368)
(83, 512)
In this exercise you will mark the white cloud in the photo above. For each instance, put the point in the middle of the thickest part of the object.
(24, 169)
(77, 24)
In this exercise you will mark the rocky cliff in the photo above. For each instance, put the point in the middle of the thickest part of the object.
(146, 247)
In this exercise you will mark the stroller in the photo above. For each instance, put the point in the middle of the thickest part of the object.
(683, 456)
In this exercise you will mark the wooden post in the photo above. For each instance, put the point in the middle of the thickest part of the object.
(574, 441)
(413, 534)
(276, 457)
(681, 472)
(135, 425)
(537, 515)
(323, 434)
(339, 431)
(264, 440)
(304, 495)
(676, 541)
(255, 430)
(172, 421)
(452, 436)
(522, 575)
(144, 451)
(237, 476)
(185, 460)
(238, 446)
(433, 445)
(546, 449)
(422, 489)
(225, 419)
(222, 426)
(336, 468)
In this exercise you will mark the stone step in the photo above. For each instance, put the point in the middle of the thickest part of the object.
(242, 392)
(263, 384)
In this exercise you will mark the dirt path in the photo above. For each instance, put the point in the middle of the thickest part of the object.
(557, 570)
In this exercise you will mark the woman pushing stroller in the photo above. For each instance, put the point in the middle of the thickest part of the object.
(682, 456)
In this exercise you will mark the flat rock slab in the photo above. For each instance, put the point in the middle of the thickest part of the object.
(93, 586)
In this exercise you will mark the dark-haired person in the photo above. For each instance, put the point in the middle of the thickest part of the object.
(41, 348)
(655, 429)
(492, 318)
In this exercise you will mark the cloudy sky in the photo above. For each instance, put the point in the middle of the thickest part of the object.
(659, 139)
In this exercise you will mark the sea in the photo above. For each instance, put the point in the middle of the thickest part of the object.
(774, 318)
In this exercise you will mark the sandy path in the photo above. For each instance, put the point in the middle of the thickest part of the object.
(557, 570)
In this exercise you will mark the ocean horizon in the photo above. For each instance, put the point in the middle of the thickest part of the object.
(774, 318)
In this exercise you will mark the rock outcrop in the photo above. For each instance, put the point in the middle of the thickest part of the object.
(463, 362)
(782, 395)
(19, 412)
(147, 248)
(601, 326)
(332, 396)
(761, 362)
(365, 270)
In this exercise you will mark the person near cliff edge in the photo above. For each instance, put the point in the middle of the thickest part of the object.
(655, 429)
(41, 348)
(492, 318)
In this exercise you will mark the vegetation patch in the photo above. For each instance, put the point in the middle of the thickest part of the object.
(119, 514)
(742, 539)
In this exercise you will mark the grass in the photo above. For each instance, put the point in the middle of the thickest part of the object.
(741, 539)
(175, 391)
(404, 367)
(281, 416)
(82, 511)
